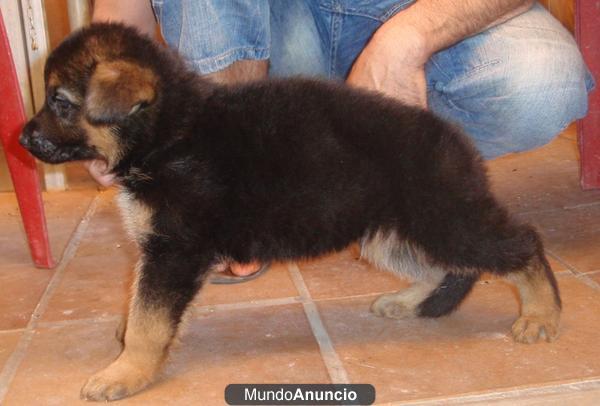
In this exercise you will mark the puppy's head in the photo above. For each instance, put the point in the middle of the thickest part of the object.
(102, 91)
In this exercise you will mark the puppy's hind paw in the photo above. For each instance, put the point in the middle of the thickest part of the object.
(392, 306)
(530, 329)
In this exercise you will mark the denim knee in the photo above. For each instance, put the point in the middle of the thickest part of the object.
(527, 90)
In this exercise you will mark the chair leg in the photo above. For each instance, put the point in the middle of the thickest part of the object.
(21, 165)
(588, 36)
(26, 182)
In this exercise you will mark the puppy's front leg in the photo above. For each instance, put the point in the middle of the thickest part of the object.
(166, 281)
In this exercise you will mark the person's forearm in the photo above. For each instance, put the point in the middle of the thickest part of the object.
(442, 23)
(137, 13)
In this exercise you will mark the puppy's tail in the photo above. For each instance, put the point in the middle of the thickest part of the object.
(447, 296)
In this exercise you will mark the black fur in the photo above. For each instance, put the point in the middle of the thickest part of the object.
(283, 170)
(447, 296)
(289, 169)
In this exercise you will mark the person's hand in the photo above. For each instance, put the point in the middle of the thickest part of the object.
(98, 170)
(393, 63)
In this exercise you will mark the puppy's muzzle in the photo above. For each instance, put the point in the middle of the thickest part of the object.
(40, 146)
(48, 150)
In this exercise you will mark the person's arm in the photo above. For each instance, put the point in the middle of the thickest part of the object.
(393, 61)
(137, 13)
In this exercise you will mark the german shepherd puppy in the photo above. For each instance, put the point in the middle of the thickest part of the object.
(269, 171)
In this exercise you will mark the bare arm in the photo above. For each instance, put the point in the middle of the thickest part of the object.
(132, 12)
(442, 23)
(393, 61)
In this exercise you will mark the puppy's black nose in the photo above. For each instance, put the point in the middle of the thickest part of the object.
(25, 140)
(32, 138)
(29, 133)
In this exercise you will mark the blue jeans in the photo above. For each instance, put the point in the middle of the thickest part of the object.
(512, 88)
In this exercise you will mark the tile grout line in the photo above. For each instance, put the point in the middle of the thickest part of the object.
(582, 276)
(12, 331)
(589, 282)
(14, 361)
(564, 263)
(75, 322)
(335, 368)
(552, 209)
(514, 393)
(208, 309)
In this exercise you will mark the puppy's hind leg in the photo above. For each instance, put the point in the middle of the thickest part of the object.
(164, 286)
(540, 298)
(435, 291)
(405, 303)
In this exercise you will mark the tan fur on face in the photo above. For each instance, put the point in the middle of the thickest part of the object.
(118, 86)
(137, 217)
(104, 140)
(53, 80)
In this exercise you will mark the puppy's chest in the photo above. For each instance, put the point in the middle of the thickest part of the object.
(136, 216)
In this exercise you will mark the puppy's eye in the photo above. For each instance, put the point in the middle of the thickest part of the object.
(60, 101)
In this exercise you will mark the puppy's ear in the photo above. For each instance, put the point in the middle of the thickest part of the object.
(118, 89)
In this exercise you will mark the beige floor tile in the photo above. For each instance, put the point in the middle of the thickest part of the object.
(573, 235)
(544, 179)
(105, 234)
(572, 397)
(470, 351)
(64, 210)
(92, 287)
(273, 344)
(96, 282)
(556, 265)
(8, 342)
(25, 285)
(344, 274)
(595, 276)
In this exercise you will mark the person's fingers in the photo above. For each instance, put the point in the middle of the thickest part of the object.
(97, 169)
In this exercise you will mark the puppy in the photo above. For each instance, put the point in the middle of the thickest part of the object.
(270, 171)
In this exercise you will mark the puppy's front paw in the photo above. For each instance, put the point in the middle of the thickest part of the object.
(393, 306)
(115, 382)
(530, 329)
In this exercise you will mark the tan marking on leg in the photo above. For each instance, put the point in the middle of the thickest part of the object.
(387, 251)
(137, 216)
(540, 312)
(403, 304)
(148, 336)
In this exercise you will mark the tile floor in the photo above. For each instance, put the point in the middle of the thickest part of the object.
(307, 322)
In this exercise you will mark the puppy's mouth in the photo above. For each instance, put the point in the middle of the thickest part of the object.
(46, 151)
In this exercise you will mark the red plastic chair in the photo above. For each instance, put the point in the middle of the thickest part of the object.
(587, 27)
(21, 165)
